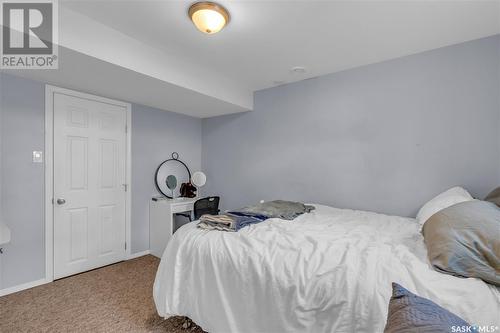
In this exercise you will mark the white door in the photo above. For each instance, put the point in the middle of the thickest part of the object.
(89, 178)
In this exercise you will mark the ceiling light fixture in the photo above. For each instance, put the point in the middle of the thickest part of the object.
(208, 17)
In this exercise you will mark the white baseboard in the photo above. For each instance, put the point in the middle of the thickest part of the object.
(138, 254)
(28, 285)
(23, 286)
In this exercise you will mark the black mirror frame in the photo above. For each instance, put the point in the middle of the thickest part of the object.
(175, 157)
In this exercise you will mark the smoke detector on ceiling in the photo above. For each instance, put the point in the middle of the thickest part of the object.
(298, 70)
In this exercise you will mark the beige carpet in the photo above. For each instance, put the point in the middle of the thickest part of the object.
(116, 298)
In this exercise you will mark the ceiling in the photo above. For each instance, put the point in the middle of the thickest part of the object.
(87, 74)
(150, 53)
(265, 39)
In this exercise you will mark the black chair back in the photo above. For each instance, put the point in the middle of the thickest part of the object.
(209, 205)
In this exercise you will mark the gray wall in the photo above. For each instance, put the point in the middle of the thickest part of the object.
(22, 205)
(384, 137)
(155, 134)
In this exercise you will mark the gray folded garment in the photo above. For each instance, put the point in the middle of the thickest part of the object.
(286, 210)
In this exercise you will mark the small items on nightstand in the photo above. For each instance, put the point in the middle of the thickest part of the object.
(188, 190)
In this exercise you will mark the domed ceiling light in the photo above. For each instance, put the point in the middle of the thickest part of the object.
(208, 17)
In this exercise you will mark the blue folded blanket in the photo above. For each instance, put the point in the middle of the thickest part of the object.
(244, 220)
(237, 219)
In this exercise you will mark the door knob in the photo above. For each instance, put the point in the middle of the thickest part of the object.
(61, 201)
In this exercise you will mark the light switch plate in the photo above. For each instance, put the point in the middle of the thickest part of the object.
(37, 156)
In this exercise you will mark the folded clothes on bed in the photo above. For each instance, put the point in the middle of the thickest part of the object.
(286, 210)
(217, 222)
(237, 219)
(227, 222)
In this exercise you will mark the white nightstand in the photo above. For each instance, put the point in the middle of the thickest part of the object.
(161, 221)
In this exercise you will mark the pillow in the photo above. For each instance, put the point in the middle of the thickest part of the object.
(411, 313)
(494, 197)
(446, 199)
(463, 240)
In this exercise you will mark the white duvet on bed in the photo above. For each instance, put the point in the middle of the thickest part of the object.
(327, 271)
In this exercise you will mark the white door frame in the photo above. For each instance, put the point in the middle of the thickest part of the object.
(49, 171)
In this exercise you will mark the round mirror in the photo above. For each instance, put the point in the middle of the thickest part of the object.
(198, 179)
(170, 174)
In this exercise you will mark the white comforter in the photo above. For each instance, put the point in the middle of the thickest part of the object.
(327, 271)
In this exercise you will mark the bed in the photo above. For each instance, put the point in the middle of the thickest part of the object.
(326, 271)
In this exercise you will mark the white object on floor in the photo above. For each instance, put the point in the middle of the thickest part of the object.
(161, 221)
(444, 200)
(327, 271)
(4, 234)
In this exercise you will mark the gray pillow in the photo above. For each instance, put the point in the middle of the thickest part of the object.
(494, 197)
(464, 240)
(409, 313)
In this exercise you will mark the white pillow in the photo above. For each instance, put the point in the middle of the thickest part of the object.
(444, 200)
